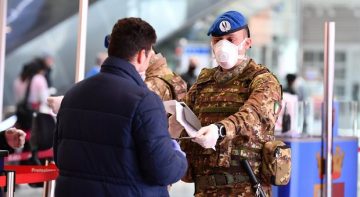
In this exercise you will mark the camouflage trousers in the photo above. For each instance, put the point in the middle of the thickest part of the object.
(244, 191)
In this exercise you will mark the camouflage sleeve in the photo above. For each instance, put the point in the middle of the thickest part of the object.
(259, 113)
(159, 87)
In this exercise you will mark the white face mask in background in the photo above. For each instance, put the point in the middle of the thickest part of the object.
(227, 53)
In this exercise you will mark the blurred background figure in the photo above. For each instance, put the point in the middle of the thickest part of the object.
(290, 81)
(20, 83)
(295, 86)
(48, 60)
(39, 85)
(33, 77)
(96, 68)
(31, 91)
(190, 75)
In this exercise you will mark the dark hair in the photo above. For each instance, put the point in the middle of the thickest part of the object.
(247, 31)
(130, 35)
(290, 78)
(32, 68)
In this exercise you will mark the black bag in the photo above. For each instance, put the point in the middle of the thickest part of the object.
(42, 132)
(24, 115)
(286, 121)
(23, 112)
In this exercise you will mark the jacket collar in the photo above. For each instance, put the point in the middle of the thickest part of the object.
(119, 66)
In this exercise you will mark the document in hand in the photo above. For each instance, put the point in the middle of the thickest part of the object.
(184, 116)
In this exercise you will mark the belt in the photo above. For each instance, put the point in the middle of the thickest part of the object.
(201, 182)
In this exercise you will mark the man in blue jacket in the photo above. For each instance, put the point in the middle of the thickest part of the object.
(112, 134)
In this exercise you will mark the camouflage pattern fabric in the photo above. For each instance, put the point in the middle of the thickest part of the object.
(247, 101)
(161, 80)
(240, 190)
(276, 166)
(176, 85)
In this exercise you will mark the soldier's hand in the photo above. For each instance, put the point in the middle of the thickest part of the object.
(175, 127)
(207, 136)
(15, 137)
(54, 103)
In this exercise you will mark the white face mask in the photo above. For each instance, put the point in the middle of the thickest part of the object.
(227, 53)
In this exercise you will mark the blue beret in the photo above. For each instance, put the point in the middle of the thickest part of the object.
(227, 23)
(107, 41)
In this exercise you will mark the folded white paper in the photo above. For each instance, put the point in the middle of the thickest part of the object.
(184, 116)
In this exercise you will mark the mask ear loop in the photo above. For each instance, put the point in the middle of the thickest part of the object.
(212, 50)
(213, 58)
(241, 46)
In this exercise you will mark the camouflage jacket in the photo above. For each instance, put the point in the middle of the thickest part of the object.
(161, 80)
(247, 102)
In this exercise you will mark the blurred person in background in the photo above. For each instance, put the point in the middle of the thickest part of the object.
(31, 86)
(111, 137)
(48, 60)
(31, 92)
(295, 86)
(190, 75)
(21, 82)
(290, 81)
(39, 89)
(100, 58)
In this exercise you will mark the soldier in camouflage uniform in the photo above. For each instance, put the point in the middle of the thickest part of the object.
(160, 79)
(237, 103)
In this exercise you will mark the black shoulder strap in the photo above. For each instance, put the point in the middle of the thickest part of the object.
(27, 93)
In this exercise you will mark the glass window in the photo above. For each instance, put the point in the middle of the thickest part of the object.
(308, 56)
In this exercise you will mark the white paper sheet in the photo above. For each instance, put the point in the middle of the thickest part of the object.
(190, 123)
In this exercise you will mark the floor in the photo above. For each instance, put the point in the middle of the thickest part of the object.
(179, 189)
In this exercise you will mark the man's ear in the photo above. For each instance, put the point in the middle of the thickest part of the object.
(248, 43)
(141, 56)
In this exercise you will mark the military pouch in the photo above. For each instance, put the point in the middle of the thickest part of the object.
(276, 165)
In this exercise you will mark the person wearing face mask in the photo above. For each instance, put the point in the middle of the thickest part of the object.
(111, 137)
(190, 75)
(238, 103)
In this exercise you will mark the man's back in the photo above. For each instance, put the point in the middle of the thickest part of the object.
(110, 132)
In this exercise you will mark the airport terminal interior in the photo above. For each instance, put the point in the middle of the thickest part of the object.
(288, 38)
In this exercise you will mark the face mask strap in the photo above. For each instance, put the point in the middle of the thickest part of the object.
(242, 47)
